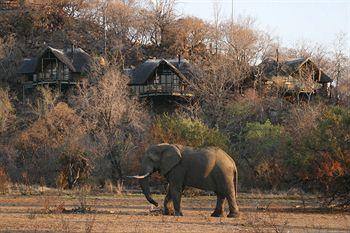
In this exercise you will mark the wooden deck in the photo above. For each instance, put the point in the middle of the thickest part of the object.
(161, 89)
(166, 93)
(29, 85)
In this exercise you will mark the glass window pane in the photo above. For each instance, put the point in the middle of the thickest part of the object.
(163, 78)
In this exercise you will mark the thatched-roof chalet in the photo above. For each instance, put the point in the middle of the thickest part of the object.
(299, 75)
(161, 77)
(54, 67)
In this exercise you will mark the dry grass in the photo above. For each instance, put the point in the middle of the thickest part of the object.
(4, 181)
(131, 213)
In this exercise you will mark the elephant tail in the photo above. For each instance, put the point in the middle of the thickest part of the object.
(235, 180)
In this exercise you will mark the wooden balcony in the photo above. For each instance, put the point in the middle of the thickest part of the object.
(161, 90)
(32, 84)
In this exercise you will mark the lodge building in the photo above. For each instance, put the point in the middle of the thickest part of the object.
(59, 68)
(162, 82)
(294, 77)
(161, 77)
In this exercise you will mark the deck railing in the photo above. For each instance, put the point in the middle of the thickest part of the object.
(161, 89)
(32, 84)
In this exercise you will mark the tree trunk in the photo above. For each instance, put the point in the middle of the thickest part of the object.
(116, 173)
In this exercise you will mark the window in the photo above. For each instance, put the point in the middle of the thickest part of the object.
(170, 79)
(163, 79)
(176, 83)
(47, 72)
(65, 73)
(54, 71)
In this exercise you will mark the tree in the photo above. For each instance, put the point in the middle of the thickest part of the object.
(187, 37)
(10, 55)
(340, 68)
(242, 48)
(160, 15)
(41, 145)
(115, 120)
(228, 72)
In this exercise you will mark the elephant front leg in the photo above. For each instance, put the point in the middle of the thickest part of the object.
(168, 208)
(176, 197)
(219, 209)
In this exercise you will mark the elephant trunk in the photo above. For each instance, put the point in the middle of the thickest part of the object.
(144, 183)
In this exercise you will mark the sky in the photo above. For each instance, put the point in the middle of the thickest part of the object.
(290, 21)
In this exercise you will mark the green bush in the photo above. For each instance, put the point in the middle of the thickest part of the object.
(250, 109)
(187, 132)
(261, 155)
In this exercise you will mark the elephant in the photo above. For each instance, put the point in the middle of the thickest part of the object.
(210, 169)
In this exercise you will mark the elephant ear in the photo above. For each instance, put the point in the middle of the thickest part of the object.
(170, 157)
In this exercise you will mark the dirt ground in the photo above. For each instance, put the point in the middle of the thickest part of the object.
(131, 213)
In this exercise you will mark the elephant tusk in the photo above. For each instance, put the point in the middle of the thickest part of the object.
(139, 177)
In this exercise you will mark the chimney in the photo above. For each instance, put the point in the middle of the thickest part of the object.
(179, 59)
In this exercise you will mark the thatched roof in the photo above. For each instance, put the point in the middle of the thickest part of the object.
(81, 59)
(146, 70)
(77, 60)
(28, 66)
(273, 68)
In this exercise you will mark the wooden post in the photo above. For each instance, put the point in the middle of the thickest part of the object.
(23, 93)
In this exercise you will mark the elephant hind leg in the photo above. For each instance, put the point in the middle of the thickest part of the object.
(219, 209)
(233, 207)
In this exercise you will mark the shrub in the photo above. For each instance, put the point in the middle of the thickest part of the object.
(261, 155)
(252, 108)
(40, 145)
(322, 159)
(7, 112)
(187, 132)
(75, 167)
(4, 181)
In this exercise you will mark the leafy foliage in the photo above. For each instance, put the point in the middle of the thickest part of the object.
(188, 132)
(262, 151)
(322, 159)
